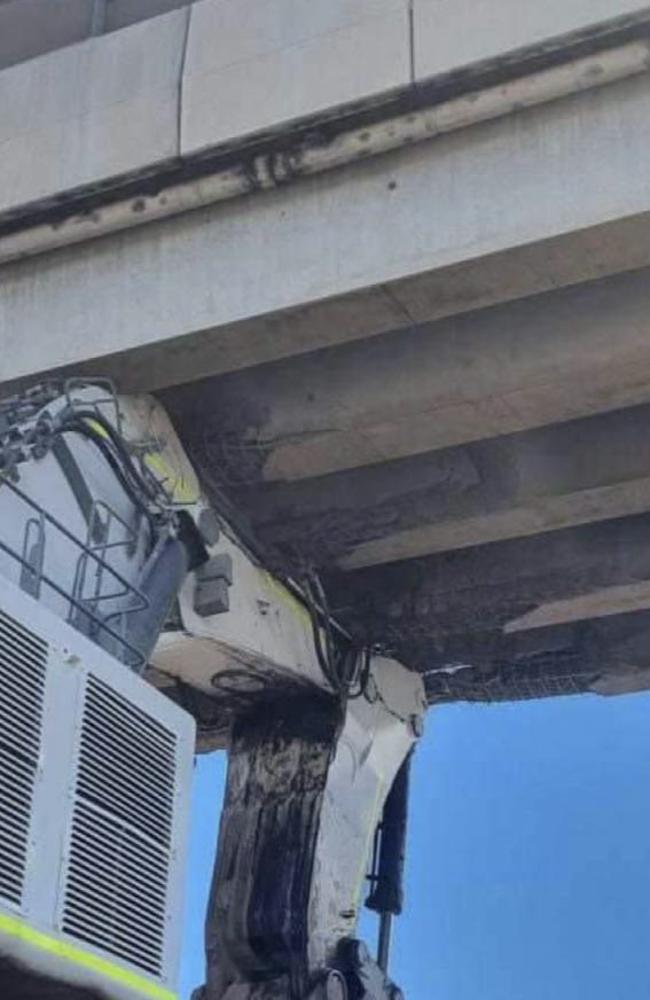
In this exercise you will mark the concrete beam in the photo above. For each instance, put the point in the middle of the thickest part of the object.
(538, 361)
(199, 294)
(605, 655)
(604, 603)
(461, 601)
(299, 63)
(543, 480)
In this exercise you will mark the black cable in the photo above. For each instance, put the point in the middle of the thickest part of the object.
(131, 479)
(150, 485)
(315, 616)
(96, 439)
(365, 655)
(343, 667)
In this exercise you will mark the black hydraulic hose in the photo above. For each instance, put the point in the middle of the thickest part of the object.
(90, 415)
(387, 894)
(160, 582)
(339, 664)
(82, 429)
(132, 473)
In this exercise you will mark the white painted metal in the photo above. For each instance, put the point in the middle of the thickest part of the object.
(380, 729)
(91, 816)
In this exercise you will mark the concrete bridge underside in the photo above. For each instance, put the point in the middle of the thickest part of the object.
(423, 373)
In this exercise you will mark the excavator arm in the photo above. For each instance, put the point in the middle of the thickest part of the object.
(105, 525)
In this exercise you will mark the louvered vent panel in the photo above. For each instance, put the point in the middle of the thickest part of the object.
(23, 662)
(118, 865)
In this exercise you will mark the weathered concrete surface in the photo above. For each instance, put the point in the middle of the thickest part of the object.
(251, 70)
(608, 655)
(391, 347)
(537, 361)
(616, 600)
(450, 34)
(544, 175)
(262, 67)
(87, 113)
(523, 484)
(453, 602)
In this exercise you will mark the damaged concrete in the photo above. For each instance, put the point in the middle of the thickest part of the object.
(511, 486)
(407, 370)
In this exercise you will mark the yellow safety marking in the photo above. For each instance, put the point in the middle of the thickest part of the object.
(61, 949)
(97, 427)
(181, 491)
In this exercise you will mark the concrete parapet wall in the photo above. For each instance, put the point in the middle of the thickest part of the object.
(220, 71)
(90, 112)
(254, 66)
(450, 34)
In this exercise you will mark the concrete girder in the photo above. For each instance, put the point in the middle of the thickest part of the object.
(457, 600)
(604, 655)
(582, 471)
(541, 360)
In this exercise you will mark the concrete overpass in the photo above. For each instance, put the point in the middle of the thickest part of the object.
(387, 263)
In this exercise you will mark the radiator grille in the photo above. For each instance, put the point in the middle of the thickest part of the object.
(23, 662)
(118, 864)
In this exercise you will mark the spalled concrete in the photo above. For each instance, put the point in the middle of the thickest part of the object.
(541, 360)
(457, 600)
(539, 481)
(414, 364)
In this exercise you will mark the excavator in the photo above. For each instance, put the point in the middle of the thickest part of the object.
(138, 627)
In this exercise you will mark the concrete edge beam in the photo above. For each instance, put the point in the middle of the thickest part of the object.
(312, 62)
(218, 257)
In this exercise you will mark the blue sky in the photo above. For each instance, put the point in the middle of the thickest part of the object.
(528, 872)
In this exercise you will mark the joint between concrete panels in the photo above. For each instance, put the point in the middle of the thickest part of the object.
(411, 41)
(181, 79)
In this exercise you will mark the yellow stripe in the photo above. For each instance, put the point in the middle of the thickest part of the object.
(19, 929)
(181, 491)
(97, 427)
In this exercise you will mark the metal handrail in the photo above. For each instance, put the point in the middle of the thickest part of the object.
(139, 601)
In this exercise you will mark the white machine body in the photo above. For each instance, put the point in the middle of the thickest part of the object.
(95, 779)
